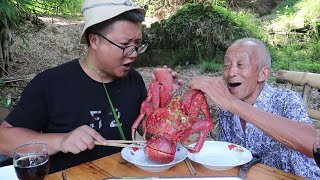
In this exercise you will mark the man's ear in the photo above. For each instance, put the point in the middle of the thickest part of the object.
(93, 40)
(264, 74)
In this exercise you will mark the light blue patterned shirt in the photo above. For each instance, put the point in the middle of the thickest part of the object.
(278, 101)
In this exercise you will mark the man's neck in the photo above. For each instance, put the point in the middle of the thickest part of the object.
(252, 98)
(94, 73)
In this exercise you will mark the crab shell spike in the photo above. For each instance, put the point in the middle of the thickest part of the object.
(160, 149)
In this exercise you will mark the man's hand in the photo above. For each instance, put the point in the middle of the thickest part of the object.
(215, 88)
(81, 139)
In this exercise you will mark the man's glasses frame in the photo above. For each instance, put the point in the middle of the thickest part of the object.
(127, 51)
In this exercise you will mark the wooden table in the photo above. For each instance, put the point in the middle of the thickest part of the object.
(115, 166)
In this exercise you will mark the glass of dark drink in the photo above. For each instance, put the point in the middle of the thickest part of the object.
(31, 161)
(316, 150)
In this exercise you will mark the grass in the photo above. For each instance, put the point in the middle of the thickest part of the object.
(290, 50)
(206, 66)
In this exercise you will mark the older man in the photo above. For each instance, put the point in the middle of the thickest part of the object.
(271, 122)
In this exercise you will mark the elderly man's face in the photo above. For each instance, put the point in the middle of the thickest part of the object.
(241, 72)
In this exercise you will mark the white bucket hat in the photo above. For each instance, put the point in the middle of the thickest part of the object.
(96, 11)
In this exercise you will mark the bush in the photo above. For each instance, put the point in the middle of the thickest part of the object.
(294, 36)
(196, 33)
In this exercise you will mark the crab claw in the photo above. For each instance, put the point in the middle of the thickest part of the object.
(165, 80)
(160, 149)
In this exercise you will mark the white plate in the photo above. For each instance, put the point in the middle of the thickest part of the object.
(138, 158)
(8, 173)
(219, 155)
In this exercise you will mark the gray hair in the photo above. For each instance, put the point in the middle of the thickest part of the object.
(263, 54)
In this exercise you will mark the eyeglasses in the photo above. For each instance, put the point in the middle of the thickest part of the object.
(127, 51)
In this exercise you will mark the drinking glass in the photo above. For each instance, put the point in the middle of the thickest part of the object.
(316, 150)
(31, 161)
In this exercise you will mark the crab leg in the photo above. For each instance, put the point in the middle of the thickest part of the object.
(203, 127)
(152, 101)
(193, 101)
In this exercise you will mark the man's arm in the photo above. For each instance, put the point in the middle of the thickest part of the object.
(295, 135)
(78, 140)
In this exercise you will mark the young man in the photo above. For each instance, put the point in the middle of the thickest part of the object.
(271, 122)
(69, 107)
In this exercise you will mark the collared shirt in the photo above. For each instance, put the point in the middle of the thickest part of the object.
(281, 102)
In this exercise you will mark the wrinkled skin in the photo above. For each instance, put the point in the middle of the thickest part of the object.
(171, 119)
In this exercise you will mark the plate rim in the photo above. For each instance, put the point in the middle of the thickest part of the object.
(10, 173)
(222, 142)
(156, 165)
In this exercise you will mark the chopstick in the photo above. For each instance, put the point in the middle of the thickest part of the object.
(123, 143)
(64, 175)
(191, 169)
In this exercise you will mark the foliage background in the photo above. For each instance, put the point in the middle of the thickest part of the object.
(199, 32)
(187, 32)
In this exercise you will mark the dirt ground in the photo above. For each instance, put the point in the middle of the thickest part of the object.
(58, 42)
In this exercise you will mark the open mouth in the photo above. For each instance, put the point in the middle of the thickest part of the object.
(234, 84)
(127, 65)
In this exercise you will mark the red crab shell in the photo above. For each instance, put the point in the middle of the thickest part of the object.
(160, 150)
(171, 119)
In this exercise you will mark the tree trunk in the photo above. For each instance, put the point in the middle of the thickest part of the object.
(6, 42)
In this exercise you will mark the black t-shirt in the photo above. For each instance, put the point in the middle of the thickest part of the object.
(63, 98)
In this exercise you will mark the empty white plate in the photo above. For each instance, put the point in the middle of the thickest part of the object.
(219, 155)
